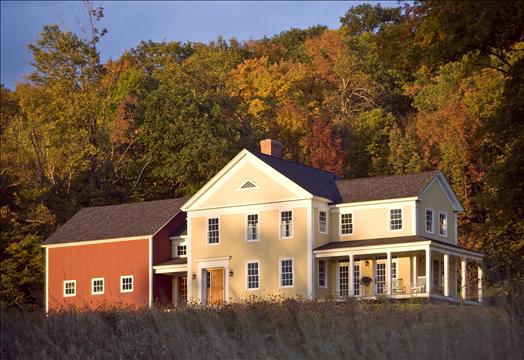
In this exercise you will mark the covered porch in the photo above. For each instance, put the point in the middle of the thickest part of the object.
(401, 268)
(176, 271)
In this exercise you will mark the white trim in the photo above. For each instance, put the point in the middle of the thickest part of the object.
(327, 222)
(325, 286)
(100, 241)
(189, 282)
(455, 240)
(255, 207)
(255, 187)
(93, 286)
(246, 226)
(74, 287)
(414, 218)
(280, 272)
(207, 231)
(280, 224)
(150, 271)
(310, 229)
(447, 224)
(374, 203)
(132, 284)
(170, 269)
(247, 276)
(352, 233)
(211, 264)
(46, 279)
(401, 218)
(217, 258)
(432, 220)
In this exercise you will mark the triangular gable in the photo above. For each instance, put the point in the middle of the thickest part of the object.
(230, 173)
(446, 188)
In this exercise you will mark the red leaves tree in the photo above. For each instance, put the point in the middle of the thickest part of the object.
(324, 148)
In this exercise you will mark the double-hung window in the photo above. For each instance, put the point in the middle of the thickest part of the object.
(395, 219)
(252, 227)
(286, 273)
(322, 281)
(346, 224)
(322, 222)
(69, 288)
(442, 224)
(253, 277)
(213, 231)
(181, 250)
(429, 221)
(97, 286)
(286, 224)
(126, 283)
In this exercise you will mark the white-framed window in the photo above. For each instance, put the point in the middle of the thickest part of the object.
(181, 250)
(69, 288)
(97, 286)
(252, 227)
(346, 224)
(430, 221)
(443, 224)
(322, 222)
(286, 273)
(356, 277)
(322, 274)
(213, 231)
(126, 283)
(395, 219)
(286, 224)
(253, 275)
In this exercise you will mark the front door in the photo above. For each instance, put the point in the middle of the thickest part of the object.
(215, 286)
(380, 277)
(343, 278)
(182, 290)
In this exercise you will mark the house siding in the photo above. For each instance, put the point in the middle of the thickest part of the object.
(105, 260)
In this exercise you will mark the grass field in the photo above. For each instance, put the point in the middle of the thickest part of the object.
(269, 330)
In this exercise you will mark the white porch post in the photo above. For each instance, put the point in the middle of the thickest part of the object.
(446, 274)
(463, 269)
(480, 283)
(428, 270)
(415, 272)
(388, 273)
(351, 274)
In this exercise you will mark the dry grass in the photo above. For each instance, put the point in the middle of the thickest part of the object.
(269, 330)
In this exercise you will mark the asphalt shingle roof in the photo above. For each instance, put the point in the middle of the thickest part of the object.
(116, 221)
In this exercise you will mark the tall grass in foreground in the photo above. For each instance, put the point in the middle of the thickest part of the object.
(269, 330)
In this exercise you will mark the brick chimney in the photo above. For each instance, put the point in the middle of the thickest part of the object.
(271, 147)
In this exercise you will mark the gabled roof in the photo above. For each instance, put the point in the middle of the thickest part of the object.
(318, 182)
(116, 221)
(384, 187)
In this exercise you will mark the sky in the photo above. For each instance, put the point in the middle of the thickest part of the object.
(130, 22)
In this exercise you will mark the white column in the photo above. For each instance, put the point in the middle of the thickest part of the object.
(446, 274)
(388, 273)
(463, 270)
(428, 270)
(351, 274)
(480, 283)
(415, 271)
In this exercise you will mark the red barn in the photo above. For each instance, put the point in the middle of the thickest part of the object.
(106, 254)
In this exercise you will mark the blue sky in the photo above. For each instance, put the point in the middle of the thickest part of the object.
(130, 22)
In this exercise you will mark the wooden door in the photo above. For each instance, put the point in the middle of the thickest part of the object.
(215, 286)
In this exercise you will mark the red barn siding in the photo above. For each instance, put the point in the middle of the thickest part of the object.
(107, 260)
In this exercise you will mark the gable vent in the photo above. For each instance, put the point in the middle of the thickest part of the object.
(248, 185)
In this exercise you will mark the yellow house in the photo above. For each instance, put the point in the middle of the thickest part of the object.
(268, 226)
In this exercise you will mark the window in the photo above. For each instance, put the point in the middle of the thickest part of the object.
(97, 286)
(126, 283)
(213, 231)
(322, 273)
(438, 273)
(181, 250)
(286, 273)
(253, 278)
(346, 224)
(252, 227)
(443, 224)
(322, 222)
(69, 288)
(286, 224)
(395, 219)
(356, 277)
(343, 278)
(429, 221)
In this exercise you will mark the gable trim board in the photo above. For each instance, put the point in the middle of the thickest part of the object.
(227, 173)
